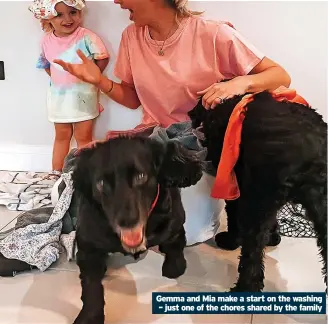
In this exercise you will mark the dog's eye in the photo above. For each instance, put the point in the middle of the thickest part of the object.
(140, 179)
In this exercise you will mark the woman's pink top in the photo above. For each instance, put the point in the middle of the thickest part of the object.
(200, 53)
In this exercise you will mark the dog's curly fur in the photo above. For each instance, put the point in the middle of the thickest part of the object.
(283, 158)
(118, 183)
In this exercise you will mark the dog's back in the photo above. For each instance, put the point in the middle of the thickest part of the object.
(275, 135)
(283, 134)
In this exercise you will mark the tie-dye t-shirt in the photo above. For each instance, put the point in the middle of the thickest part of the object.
(69, 99)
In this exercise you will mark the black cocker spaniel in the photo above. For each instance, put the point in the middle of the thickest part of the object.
(130, 201)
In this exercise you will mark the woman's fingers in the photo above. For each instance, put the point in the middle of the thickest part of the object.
(62, 64)
(68, 66)
(213, 97)
(82, 56)
(206, 101)
(205, 90)
(71, 68)
(213, 100)
(216, 101)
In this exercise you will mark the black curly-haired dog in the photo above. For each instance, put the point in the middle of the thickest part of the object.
(283, 158)
(130, 201)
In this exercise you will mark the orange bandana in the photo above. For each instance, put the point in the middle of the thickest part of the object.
(226, 185)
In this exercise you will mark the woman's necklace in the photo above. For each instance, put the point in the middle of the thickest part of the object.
(161, 51)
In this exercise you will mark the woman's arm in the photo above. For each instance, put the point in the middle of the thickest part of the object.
(123, 93)
(89, 72)
(266, 75)
(252, 71)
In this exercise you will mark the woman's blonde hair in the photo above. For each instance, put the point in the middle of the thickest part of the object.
(182, 8)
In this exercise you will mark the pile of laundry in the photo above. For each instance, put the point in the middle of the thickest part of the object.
(42, 231)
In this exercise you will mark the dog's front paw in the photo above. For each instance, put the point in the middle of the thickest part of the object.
(227, 241)
(174, 267)
(85, 318)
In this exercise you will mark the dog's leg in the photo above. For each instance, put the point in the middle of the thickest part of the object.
(231, 239)
(256, 218)
(92, 264)
(315, 204)
(175, 263)
(251, 266)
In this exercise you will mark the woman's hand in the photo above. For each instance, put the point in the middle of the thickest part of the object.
(87, 71)
(217, 92)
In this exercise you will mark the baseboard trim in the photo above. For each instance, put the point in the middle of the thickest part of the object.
(25, 158)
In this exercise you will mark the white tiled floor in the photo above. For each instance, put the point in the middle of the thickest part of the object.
(54, 296)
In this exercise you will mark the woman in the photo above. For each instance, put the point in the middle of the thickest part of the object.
(166, 64)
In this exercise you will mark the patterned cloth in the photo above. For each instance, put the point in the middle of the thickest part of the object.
(38, 244)
(23, 191)
(293, 222)
(45, 9)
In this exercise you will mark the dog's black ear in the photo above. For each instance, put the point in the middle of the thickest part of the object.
(177, 167)
(197, 114)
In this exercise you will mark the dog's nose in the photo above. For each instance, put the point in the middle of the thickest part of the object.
(128, 222)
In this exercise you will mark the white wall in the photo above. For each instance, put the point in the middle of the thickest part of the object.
(292, 33)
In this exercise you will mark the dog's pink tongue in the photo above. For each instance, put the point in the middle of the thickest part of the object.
(132, 238)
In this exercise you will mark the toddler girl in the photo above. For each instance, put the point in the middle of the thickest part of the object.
(72, 104)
